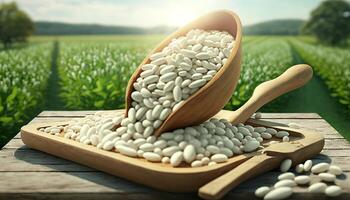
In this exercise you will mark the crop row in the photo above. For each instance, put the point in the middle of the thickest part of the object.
(95, 75)
(262, 61)
(23, 79)
(332, 64)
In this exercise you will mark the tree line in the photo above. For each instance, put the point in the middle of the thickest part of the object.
(329, 22)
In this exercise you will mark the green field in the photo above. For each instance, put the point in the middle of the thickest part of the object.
(91, 72)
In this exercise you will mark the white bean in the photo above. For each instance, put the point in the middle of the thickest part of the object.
(251, 145)
(176, 159)
(177, 93)
(153, 157)
(285, 183)
(279, 193)
(189, 153)
(157, 55)
(302, 180)
(169, 151)
(108, 145)
(327, 177)
(136, 96)
(333, 191)
(285, 165)
(307, 165)
(146, 147)
(202, 55)
(281, 134)
(168, 77)
(299, 168)
(286, 175)
(156, 111)
(150, 79)
(333, 169)
(285, 139)
(320, 167)
(218, 158)
(165, 160)
(317, 187)
(196, 163)
(262, 191)
(197, 83)
(126, 150)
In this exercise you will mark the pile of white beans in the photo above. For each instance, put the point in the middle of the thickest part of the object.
(173, 75)
(211, 142)
(282, 189)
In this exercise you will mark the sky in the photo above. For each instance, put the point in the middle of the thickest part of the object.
(149, 13)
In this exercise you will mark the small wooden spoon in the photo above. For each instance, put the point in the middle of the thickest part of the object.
(213, 96)
(293, 78)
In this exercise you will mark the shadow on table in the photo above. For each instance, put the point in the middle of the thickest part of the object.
(324, 158)
(119, 185)
(123, 187)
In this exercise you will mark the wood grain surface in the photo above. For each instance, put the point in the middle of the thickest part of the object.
(30, 174)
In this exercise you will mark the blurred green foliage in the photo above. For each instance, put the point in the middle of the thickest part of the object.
(15, 25)
(330, 22)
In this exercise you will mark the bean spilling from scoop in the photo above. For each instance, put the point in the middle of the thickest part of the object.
(209, 143)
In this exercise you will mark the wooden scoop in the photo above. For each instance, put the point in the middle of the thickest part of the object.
(213, 96)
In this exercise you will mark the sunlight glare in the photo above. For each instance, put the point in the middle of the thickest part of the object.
(181, 16)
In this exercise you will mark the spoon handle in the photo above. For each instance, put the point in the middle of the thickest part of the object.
(254, 166)
(293, 78)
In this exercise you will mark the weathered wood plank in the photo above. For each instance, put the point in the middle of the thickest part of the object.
(13, 160)
(154, 195)
(15, 144)
(336, 144)
(96, 183)
(336, 152)
(264, 115)
(52, 119)
(65, 182)
(34, 161)
(21, 167)
(30, 155)
(73, 113)
(291, 116)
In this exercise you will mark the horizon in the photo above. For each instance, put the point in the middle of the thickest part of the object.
(160, 13)
(117, 25)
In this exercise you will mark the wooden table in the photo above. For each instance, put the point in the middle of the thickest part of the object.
(29, 174)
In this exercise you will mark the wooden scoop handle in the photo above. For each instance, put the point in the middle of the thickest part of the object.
(256, 165)
(293, 78)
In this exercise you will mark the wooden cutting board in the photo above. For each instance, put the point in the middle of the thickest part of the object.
(164, 177)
